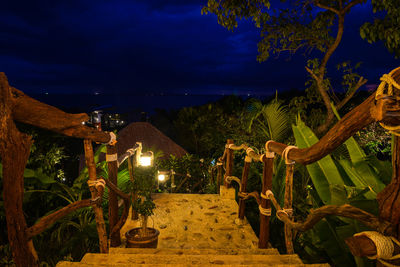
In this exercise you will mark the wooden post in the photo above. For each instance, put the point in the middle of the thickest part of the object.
(288, 206)
(266, 185)
(14, 152)
(229, 162)
(101, 227)
(245, 175)
(389, 198)
(219, 174)
(112, 164)
(131, 164)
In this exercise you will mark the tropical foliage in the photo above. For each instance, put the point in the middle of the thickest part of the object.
(336, 181)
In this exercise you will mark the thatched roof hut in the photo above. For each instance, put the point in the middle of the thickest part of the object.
(150, 137)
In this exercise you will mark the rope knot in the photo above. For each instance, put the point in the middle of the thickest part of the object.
(248, 150)
(97, 183)
(265, 212)
(269, 153)
(113, 139)
(285, 154)
(268, 194)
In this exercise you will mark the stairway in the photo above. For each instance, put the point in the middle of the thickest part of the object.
(122, 257)
(195, 230)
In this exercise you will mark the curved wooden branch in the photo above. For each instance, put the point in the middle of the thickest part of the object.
(48, 220)
(114, 188)
(30, 111)
(123, 218)
(364, 114)
(125, 213)
(254, 195)
(346, 210)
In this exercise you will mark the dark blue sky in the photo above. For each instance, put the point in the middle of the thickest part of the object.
(142, 47)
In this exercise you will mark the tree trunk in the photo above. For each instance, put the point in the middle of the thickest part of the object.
(229, 163)
(14, 152)
(98, 210)
(144, 225)
(389, 198)
(112, 196)
(266, 204)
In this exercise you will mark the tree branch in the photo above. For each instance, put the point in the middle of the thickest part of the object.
(346, 210)
(318, 4)
(350, 5)
(360, 83)
(48, 220)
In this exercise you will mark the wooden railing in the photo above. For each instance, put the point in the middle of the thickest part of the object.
(14, 152)
(383, 108)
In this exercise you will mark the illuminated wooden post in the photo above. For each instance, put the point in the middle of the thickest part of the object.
(268, 169)
(112, 164)
(219, 173)
(288, 204)
(245, 175)
(229, 162)
(96, 192)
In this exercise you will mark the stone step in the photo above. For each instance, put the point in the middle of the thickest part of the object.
(81, 264)
(166, 251)
(189, 260)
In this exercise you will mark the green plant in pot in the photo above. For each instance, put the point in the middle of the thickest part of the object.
(143, 186)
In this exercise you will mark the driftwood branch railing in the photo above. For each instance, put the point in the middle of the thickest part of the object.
(14, 152)
(382, 106)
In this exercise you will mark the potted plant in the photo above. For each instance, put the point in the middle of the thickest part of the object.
(143, 186)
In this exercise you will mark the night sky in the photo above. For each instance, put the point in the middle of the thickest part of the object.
(131, 51)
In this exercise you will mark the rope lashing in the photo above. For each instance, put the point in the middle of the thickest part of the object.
(111, 157)
(388, 81)
(229, 179)
(97, 183)
(265, 212)
(285, 154)
(288, 212)
(247, 159)
(113, 139)
(243, 195)
(249, 150)
(131, 151)
(268, 153)
(384, 246)
(268, 194)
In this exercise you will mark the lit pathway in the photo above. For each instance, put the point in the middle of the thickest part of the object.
(197, 221)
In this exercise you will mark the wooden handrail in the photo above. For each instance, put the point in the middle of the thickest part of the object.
(48, 220)
(369, 111)
(30, 111)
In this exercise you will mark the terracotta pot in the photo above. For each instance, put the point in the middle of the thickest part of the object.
(133, 240)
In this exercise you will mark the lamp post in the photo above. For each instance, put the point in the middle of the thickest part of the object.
(163, 176)
(145, 159)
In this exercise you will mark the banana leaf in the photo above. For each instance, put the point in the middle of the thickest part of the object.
(323, 172)
(333, 245)
(366, 176)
